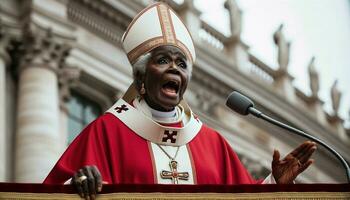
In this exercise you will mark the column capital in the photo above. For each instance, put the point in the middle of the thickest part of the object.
(41, 48)
(68, 77)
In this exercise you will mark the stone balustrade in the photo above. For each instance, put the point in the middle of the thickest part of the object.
(211, 36)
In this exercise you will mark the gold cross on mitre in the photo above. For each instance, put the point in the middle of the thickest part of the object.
(174, 175)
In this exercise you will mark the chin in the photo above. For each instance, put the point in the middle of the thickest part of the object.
(169, 104)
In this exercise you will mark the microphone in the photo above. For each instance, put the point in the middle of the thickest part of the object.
(244, 106)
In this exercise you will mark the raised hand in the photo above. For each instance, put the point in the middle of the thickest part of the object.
(286, 170)
(87, 181)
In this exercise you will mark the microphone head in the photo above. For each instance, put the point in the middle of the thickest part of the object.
(239, 103)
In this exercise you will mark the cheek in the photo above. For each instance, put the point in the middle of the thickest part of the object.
(152, 86)
(185, 84)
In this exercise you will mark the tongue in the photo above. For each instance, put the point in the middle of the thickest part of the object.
(170, 90)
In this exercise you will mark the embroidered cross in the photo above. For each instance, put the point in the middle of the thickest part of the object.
(169, 136)
(173, 174)
(196, 118)
(121, 108)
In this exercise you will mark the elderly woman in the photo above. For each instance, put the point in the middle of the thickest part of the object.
(151, 136)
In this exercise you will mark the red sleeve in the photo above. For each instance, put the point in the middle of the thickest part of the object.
(86, 149)
(235, 171)
(215, 162)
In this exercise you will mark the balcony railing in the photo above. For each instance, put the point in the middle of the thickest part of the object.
(293, 191)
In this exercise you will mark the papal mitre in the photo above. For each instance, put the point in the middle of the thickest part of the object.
(156, 25)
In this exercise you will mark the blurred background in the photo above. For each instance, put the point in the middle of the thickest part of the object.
(62, 65)
(319, 29)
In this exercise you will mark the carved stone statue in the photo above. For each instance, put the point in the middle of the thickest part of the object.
(283, 48)
(314, 78)
(189, 4)
(335, 95)
(235, 18)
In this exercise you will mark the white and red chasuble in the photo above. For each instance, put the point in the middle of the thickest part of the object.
(126, 157)
(123, 143)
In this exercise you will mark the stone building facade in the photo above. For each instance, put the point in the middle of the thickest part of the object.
(62, 64)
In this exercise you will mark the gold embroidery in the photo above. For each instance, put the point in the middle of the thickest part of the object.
(166, 24)
(144, 47)
(168, 36)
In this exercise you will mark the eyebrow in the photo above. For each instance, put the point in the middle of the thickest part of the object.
(167, 52)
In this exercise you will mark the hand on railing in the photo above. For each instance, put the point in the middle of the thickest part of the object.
(88, 182)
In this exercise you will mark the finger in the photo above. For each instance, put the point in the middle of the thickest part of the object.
(306, 165)
(306, 156)
(98, 178)
(306, 149)
(275, 157)
(296, 152)
(77, 185)
(84, 185)
(90, 182)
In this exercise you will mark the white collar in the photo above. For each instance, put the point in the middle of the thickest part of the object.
(155, 132)
(173, 116)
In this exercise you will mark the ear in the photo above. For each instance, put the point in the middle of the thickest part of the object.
(139, 78)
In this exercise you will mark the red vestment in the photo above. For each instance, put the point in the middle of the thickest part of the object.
(124, 157)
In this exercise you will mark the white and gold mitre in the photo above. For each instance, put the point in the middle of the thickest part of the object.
(157, 25)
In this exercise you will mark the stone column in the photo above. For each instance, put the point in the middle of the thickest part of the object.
(67, 78)
(38, 135)
(4, 61)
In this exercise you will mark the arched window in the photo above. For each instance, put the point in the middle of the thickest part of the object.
(81, 111)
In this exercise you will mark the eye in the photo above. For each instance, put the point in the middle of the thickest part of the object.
(162, 61)
(182, 64)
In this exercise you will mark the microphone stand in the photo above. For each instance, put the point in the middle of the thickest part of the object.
(260, 115)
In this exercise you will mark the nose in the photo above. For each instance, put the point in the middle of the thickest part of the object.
(173, 68)
(173, 64)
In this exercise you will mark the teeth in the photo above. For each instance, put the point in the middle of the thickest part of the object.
(172, 85)
(173, 82)
(170, 90)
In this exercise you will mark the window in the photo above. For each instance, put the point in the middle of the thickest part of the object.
(81, 111)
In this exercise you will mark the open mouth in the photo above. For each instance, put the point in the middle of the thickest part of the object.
(171, 87)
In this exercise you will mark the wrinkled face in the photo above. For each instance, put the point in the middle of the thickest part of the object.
(166, 78)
